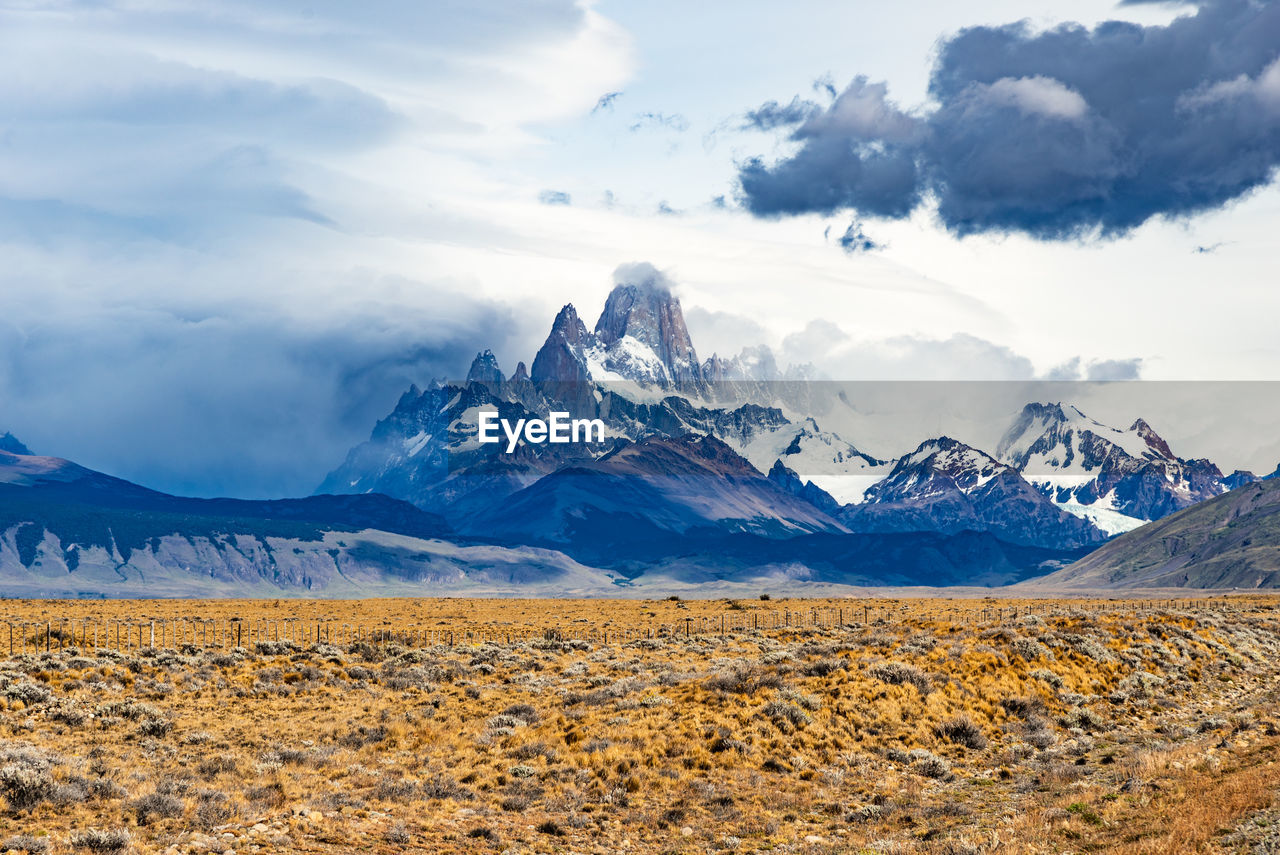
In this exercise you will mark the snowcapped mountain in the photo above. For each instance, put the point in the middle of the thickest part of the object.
(947, 486)
(1119, 479)
(819, 457)
(1058, 481)
(637, 371)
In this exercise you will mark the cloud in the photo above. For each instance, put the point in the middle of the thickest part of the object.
(554, 197)
(861, 153)
(1115, 369)
(958, 357)
(1096, 370)
(724, 333)
(227, 394)
(670, 121)
(606, 101)
(227, 232)
(771, 114)
(1060, 134)
(855, 240)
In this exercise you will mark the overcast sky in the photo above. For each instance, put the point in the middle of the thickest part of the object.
(231, 234)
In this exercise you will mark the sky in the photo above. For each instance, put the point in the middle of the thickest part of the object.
(231, 235)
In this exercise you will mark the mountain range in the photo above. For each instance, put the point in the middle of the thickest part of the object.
(1056, 480)
(710, 472)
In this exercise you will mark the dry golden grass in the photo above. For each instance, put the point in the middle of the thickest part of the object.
(935, 729)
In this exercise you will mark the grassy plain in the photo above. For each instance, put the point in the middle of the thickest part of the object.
(937, 726)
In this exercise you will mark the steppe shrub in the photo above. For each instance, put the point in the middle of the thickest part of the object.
(211, 767)
(392, 789)
(364, 735)
(901, 673)
(928, 764)
(502, 721)
(1047, 676)
(1093, 650)
(155, 806)
(441, 786)
(785, 715)
(367, 651)
(809, 702)
(724, 743)
(67, 712)
(213, 808)
(276, 648)
(522, 711)
(1029, 649)
(155, 727)
(130, 709)
(1023, 707)
(25, 843)
(962, 731)
(104, 788)
(1083, 718)
(743, 679)
(823, 667)
(104, 842)
(25, 786)
(28, 693)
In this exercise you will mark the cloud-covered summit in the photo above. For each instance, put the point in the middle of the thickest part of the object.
(1057, 134)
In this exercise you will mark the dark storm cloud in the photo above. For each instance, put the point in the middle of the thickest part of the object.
(1057, 134)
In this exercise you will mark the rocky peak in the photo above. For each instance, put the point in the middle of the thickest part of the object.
(521, 374)
(560, 359)
(484, 370)
(10, 443)
(647, 311)
(1152, 439)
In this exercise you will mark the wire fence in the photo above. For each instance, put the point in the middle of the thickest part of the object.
(25, 636)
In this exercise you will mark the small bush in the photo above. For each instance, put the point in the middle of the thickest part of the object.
(962, 731)
(928, 764)
(155, 727)
(743, 679)
(901, 673)
(25, 787)
(25, 843)
(522, 711)
(1023, 707)
(1030, 649)
(786, 715)
(823, 667)
(364, 735)
(155, 806)
(211, 767)
(1047, 676)
(550, 827)
(105, 842)
(28, 693)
